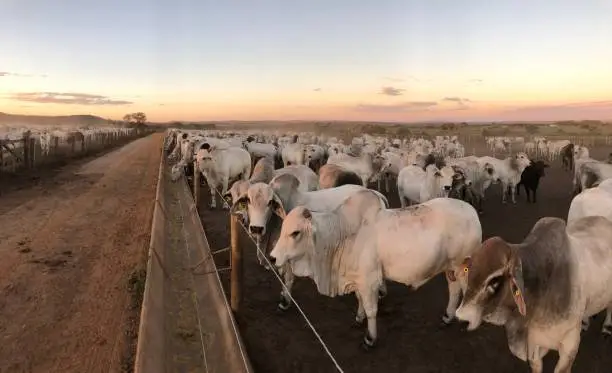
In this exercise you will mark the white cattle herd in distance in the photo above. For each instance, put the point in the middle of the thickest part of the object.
(46, 136)
(313, 215)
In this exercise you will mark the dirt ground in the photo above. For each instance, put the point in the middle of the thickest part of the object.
(73, 248)
(410, 336)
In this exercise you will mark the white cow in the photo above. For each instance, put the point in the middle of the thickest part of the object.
(542, 288)
(351, 250)
(419, 186)
(309, 181)
(279, 198)
(293, 154)
(509, 172)
(219, 166)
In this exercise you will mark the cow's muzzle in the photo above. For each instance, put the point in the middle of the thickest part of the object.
(256, 230)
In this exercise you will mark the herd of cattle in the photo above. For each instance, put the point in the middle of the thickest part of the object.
(307, 205)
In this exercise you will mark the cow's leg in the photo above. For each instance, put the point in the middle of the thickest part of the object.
(513, 192)
(369, 299)
(382, 290)
(584, 325)
(606, 330)
(504, 191)
(567, 351)
(213, 195)
(401, 198)
(533, 195)
(285, 300)
(534, 356)
(360, 310)
(387, 177)
(454, 293)
(224, 186)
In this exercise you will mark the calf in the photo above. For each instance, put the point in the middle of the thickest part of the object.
(530, 178)
(542, 288)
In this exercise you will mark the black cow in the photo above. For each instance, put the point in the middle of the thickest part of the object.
(530, 178)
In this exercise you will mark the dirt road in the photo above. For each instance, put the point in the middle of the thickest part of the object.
(73, 248)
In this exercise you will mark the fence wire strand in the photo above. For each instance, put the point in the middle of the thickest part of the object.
(287, 291)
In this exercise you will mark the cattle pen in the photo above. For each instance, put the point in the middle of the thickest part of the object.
(186, 323)
(316, 334)
(31, 150)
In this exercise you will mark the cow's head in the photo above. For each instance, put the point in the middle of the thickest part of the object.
(493, 285)
(539, 166)
(441, 179)
(522, 160)
(260, 202)
(296, 240)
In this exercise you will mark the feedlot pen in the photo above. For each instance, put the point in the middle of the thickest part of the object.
(410, 336)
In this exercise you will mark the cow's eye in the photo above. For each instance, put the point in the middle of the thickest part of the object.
(494, 284)
(294, 234)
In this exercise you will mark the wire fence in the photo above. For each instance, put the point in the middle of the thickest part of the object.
(317, 335)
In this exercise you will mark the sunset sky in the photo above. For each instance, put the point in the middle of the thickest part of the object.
(379, 60)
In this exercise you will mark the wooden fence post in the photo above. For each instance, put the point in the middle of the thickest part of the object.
(32, 153)
(196, 185)
(236, 265)
(26, 150)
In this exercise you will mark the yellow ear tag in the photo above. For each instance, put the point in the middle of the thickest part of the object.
(517, 293)
(465, 269)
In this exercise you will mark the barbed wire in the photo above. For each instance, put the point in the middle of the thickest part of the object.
(288, 292)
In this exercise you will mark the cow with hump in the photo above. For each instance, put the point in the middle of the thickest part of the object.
(355, 247)
(266, 203)
(542, 288)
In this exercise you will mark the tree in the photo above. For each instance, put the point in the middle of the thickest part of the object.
(135, 120)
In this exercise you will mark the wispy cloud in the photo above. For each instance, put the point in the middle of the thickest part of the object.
(456, 99)
(476, 81)
(396, 108)
(461, 103)
(392, 91)
(17, 75)
(67, 98)
(317, 89)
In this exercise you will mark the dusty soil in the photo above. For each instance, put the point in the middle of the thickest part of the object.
(73, 248)
(410, 336)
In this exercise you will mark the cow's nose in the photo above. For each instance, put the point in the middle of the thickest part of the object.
(447, 188)
(255, 229)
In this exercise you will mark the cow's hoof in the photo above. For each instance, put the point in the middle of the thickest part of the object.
(446, 321)
(606, 331)
(368, 342)
(284, 304)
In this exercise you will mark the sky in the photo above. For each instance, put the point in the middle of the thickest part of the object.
(365, 60)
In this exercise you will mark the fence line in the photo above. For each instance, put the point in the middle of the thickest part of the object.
(31, 151)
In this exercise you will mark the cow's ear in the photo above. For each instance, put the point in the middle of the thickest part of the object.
(240, 204)
(277, 207)
(517, 285)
